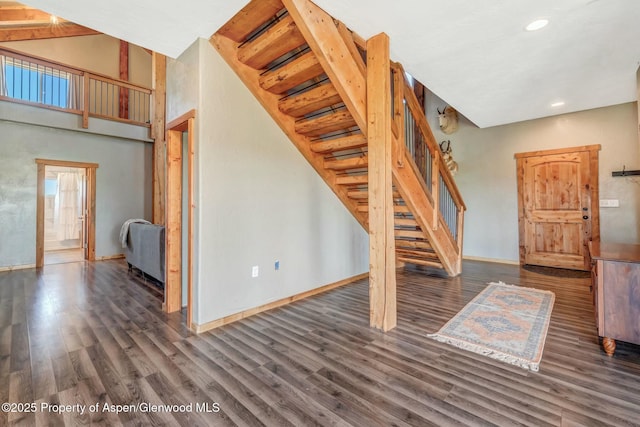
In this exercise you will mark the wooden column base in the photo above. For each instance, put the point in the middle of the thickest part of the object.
(609, 345)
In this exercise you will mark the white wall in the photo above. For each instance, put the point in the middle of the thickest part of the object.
(487, 172)
(257, 199)
(123, 184)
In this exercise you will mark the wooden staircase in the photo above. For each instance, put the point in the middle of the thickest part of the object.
(309, 73)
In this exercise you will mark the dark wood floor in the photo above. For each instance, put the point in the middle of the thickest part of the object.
(88, 333)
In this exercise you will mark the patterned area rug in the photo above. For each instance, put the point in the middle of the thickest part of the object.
(504, 322)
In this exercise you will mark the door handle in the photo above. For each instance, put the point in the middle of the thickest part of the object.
(585, 217)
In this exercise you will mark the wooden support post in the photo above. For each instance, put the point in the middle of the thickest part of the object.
(159, 69)
(124, 75)
(382, 257)
(173, 229)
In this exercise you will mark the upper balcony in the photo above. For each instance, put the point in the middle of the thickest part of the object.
(30, 80)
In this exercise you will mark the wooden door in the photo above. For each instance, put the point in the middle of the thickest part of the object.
(558, 206)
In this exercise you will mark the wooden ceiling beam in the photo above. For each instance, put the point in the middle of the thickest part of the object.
(12, 13)
(37, 32)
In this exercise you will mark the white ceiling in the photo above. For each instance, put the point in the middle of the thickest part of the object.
(473, 54)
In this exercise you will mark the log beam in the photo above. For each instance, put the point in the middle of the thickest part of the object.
(382, 258)
(159, 70)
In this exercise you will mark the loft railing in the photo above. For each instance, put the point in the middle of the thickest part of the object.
(31, 80)
(410, 126)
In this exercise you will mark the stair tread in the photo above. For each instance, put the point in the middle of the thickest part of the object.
(292, 74)
(282, 37)
(405, 222)
(339, 144)
(413, 244)
(312, 100)
(324, 124)
(250, 18)
(345, 164)
(352, 180)
(416, 254)
(409, 233)
(420, 262)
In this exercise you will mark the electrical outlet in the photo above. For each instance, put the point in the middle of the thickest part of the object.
(277, 265)
(255, 271)
(609, 203)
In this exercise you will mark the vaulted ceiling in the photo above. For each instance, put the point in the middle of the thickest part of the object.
(475, 55)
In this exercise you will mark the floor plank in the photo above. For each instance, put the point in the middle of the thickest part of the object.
(83, 333)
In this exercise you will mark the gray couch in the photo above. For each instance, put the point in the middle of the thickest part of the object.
(145, 249)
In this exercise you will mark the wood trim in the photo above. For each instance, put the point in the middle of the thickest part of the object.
(65, 163)
(173, 228)
(174, 252)
(190, 227)
(110, 257)
(159, 70)
(520, 166)
(279, 303)
(493, 260)
(117, 82)
(90, 171)
(382, 251)
(594, 170)
(85, 101)
(118, 119)
(123, 74)
(40, 216)
(181, 122)
(17, 267)
(91, 213)
(595, 147)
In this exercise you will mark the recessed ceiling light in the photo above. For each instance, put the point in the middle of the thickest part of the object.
(53, 19)
(537, 24)
(558, 104)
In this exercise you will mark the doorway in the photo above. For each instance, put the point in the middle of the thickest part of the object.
(65, 212)
(558, 206)
(179, 216)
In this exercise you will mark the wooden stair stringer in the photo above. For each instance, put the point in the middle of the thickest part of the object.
(336, 57)
(414, 193)
(251, 78)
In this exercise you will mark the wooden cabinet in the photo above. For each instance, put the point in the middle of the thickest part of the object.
(616, 292)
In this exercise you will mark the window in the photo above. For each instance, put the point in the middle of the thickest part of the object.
(36, 83)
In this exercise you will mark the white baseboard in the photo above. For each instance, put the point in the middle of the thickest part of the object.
(17, 267)
(108, 257)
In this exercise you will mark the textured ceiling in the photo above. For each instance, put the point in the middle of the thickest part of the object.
(475, 55)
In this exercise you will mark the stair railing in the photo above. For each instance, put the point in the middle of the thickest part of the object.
(410, 126)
